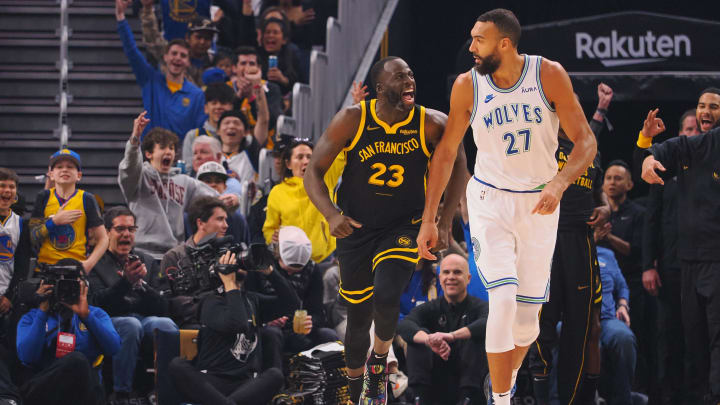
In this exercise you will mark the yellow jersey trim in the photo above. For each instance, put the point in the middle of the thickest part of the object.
(422, 132)
(360, 129)
(411, 250)
(390, 129)
(356, 292)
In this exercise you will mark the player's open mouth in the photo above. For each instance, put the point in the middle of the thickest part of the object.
(408, 97)
(705, 124)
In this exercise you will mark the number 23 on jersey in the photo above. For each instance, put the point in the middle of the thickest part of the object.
(378, 178)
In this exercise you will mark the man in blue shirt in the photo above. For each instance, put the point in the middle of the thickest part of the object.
(619, 348)
(64, 345)
(171, 100)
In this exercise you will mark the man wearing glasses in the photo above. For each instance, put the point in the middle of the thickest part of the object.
(118, 286)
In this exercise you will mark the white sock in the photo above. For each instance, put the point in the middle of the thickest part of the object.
(502, 398)
(513, 378)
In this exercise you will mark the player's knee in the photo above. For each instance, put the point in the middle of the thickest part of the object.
(527, 324)
(498, 338)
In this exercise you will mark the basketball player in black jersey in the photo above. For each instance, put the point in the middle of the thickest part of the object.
(386, 144)
(575, 290)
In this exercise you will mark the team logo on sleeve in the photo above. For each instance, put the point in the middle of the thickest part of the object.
(62, 237)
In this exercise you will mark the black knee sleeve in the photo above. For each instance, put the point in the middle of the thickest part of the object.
(391, 278)
(357, 335)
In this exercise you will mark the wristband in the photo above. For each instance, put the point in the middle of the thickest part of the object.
(49, 224)
(643, 141)
(625, 305)
(602, 111)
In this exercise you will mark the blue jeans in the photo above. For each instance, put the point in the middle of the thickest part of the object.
(619, 354)
(132, 329)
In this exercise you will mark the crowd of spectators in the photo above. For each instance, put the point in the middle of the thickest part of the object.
(203, 162)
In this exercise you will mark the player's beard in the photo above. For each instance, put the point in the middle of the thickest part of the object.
(395, 99)
(488, 65)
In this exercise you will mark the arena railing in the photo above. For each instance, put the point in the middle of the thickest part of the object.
(352, 42)
(63, 65)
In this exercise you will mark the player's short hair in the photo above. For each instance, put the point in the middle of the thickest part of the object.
(9, 174)
(177, 41)
(378, 68)
(713, 90)
(506, 23)
(688, 113)
(159, 136)
(114, 212)
(202, 208)
(621, 163)
(219, 92)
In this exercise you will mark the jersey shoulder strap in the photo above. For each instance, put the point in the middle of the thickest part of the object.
(360, 129)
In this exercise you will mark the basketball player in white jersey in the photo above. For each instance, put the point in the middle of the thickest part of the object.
(514, 104)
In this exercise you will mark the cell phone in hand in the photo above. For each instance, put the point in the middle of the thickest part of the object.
(272, 61)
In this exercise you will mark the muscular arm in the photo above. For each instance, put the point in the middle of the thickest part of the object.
(619, 245)
(559, 92)
(339, 133)
(444, 158)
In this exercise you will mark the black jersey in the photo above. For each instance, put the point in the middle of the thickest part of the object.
(384, 179)
(577, 202)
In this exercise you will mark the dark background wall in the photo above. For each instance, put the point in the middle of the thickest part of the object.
(430, 35)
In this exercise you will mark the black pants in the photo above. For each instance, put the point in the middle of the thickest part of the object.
(575, 293)
(69, 380)
(204, 388)
(276, 341)
(672, 362)
(701, 322)
(435, 380)
(8, 390)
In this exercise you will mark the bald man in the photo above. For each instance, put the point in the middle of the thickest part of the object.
(446, 340)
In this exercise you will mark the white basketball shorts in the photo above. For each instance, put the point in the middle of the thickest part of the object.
(511, 245)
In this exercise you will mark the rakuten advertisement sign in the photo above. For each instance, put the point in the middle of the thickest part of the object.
(628, 41)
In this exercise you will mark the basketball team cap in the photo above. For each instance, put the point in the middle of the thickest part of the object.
(209, 168)
(202, 24)
(295, 247)
(65, 154)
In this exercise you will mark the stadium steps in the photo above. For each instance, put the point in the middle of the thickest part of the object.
(105, 96)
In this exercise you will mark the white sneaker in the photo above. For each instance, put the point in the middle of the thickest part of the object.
(398, 382)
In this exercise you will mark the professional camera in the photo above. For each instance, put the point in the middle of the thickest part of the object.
(203, 274)
(63, 276)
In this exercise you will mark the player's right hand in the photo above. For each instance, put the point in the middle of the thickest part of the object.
(342, 226)
(427, 239)
(653, 125)
(649, 167)
(66, 217)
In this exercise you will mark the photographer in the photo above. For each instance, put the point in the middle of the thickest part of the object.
(230, 350)
(306, 279)
(63, 343)
(118, 285)
(208, 219)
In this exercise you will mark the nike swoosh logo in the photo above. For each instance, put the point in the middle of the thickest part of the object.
(369, 128)
(503, 395)
(582, 287)
(489, 97)
(415, 221)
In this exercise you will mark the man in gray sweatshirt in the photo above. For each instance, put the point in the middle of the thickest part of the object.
(157, 197)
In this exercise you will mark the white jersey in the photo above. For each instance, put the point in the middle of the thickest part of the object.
(515, 130)
(9, 238)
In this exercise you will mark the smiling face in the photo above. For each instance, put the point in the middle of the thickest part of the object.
(708, 111)
(176, 59)
(486, 44)
(273, 38)
(299, 160)
(454, 277)
(202, 152)
(396, 85)
(8, 194)
(122, 240)
(215, 108)
(65, 172)
(161, 157)
(231, 131)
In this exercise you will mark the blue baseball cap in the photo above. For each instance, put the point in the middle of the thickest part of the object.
(214, 75)
(65, 154)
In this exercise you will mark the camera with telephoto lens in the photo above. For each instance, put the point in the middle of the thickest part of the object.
(203, 275)
(63, 277)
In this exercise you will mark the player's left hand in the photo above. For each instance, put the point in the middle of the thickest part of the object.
(649, 174)
(427, 239)
(549, 198)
